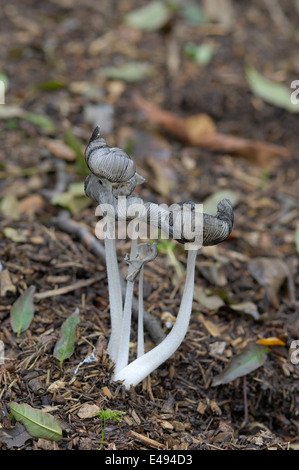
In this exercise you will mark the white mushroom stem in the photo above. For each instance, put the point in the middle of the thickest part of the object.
(125, 324)
(140, 332)
(137, 370)
(115, 297)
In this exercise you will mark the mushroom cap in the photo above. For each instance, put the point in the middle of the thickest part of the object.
(111, 163)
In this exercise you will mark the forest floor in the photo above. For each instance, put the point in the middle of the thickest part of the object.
(55, 58)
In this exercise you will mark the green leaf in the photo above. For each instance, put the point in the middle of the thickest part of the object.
(39, 120)
(112, 415)
(151, 17)
(273, 93)
(9, 206)
(129, 72)
(15, 235)
(22, 311)
(202, 54)
(65, 345)
(10, 112)
(74, 199)
(37, 422)
(193, 13)
(50, 85)
(249, 359)
(71, 141)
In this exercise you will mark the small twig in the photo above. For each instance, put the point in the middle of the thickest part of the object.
(147, 441)
(279, 18)
(64, 223)
(66, 289)
(62, 179)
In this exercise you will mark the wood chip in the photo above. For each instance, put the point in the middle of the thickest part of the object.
(58, 279)
(215, 408)
(66, 289)
(178, 426)
(166, 425)
(128, 420)
(88, 411)
(147, 441)
(135, 417)
(6, 284)
(107, 393)
(211, 327)
(201, 407)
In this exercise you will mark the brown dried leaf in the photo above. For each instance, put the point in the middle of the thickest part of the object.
(88, 411)
(6, 284)
(14, 437)
(32, 204)
(211, 327)
(256, 151)
(60, 150)
(199, 125)
(272, 273)
(164, 176)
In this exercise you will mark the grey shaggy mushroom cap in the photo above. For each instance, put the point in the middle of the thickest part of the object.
(111, 163)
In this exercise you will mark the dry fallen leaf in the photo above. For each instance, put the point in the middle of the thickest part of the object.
(211, 327)
(88, 411)
(256, 151)
(60, 149)
(14, 437)
(272, 341)
(163, 176)
(32, 204)
(272, 273)
(56, 386)
(247, 307)
(199, 125)
(6, 284)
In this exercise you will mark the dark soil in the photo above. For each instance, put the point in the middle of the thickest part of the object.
(52, 54)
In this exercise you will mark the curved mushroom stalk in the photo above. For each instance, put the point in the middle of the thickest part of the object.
(137, 370)
(115, 297)
(140, 332)
(140, 254)
(146, 252)
(125, 324)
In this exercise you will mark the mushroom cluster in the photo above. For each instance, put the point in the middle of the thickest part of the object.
(111, 183)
